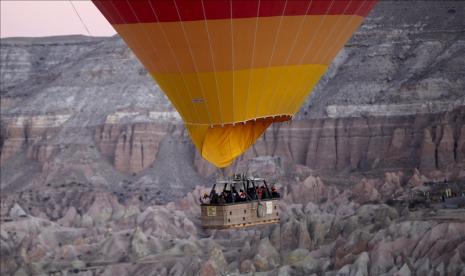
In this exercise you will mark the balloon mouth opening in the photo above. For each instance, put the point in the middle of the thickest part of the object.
(222, 143)
(261, 120)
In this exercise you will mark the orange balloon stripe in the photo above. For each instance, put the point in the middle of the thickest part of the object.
(160, 51)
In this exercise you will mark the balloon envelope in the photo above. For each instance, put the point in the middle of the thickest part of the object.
(231, 68)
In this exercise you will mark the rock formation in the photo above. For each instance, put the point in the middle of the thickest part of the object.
(336, 236)
(90, 97)
(98, 174)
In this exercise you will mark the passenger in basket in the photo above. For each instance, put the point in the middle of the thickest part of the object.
(221, 199)
(213, 197)
(264, 192)
(242, 196)
(259, 193)
(274, 192)
(228, 196)
(235, 194)
(205, 199)
(251, 193)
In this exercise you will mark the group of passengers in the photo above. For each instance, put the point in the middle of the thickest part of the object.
(233, 196)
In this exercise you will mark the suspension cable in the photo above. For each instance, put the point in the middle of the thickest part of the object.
(80, 18)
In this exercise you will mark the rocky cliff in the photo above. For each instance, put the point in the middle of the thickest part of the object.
(98, 174)
(85, 108)
(405, 52)
(324, 230)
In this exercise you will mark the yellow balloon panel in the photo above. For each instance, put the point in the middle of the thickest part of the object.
(221, 145)
(255, 93)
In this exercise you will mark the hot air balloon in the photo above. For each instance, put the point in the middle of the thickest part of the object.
(233, 67)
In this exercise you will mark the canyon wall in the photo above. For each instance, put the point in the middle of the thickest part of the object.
(84, 110)
(327, 145)
(98, 174)
(369, 143)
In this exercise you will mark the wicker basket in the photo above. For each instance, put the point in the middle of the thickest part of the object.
(241, 214)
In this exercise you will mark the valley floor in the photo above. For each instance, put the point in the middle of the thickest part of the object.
(324, 230)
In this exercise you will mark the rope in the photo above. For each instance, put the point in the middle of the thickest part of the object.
(152, 49)
(213, 62)
(294, 43)
(193, 63)
(308, 48)
(344, 29)
(80, 19)
(340, 33)
(232, 59)
(176, 60)
(253, 57)
(333, 29)
(271, 59)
